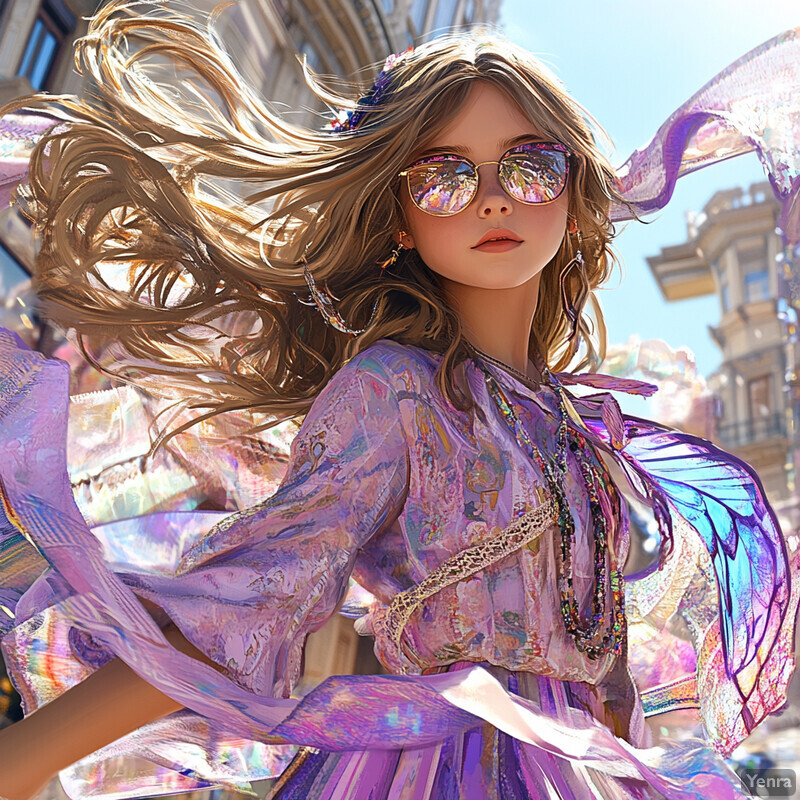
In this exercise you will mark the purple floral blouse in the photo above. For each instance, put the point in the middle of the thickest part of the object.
(386, 481)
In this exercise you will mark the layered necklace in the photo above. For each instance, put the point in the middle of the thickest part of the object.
(554, 469)
(502, 364)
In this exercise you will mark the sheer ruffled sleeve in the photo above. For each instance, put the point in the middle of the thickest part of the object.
(19, 133)
(246, 593)
(250, 591)
(218, 463)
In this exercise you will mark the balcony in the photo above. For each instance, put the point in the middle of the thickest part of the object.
(752, 431)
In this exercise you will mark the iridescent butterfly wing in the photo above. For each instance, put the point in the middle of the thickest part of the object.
(723, 501)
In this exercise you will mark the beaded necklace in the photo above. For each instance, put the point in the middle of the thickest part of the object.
(554, 470)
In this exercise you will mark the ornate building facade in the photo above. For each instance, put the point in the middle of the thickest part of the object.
(730, 251)
(337, 38)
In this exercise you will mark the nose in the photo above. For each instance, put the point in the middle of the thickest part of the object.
(492, 198)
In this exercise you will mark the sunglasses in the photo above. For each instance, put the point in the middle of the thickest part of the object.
(534, 173)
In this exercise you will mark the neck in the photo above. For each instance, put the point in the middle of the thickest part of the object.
(497, 321)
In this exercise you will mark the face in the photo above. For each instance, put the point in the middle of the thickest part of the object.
(480, 131)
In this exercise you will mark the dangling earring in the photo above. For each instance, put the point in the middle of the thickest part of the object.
(573, 308)
(392, 260)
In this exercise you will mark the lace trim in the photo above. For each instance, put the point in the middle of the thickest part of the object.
(465, 564)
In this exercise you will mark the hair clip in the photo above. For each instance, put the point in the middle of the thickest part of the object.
(349, 120)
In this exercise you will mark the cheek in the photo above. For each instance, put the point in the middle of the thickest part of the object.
(544, 228)
(439, 236)
(443, 243)
(436, 237)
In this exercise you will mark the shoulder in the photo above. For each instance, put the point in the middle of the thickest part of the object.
(401, 367)
(394, 358)
(374, 381)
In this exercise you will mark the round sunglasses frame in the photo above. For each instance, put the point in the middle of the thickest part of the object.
(475, 177)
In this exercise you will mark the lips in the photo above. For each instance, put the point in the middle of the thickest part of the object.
(498, 235)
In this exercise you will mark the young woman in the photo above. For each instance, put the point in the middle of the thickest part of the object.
(413, 280)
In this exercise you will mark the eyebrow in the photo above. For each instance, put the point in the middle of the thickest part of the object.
(505, 145)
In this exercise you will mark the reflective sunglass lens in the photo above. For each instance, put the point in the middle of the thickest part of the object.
(535, 177)
(531, 174)
(442, 188)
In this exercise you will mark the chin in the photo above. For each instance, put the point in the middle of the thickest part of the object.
(500, 271)
(496, 282)
(504, 276)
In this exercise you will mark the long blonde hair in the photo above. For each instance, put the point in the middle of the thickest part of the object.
(174, 215)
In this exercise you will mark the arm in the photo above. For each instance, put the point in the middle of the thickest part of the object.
(110, 703)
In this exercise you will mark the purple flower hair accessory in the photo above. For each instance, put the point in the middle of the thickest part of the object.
(349, 120)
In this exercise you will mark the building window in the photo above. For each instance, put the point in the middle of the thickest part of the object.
(756, 286)
(725, 293)
(51, 29)
(760, 397)
(445, 14)
(419, 10)
(310, 52)
(283, 12)
(753, 269)
(469, 12)
(314, 34)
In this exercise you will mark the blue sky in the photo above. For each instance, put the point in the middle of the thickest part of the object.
(631, 64)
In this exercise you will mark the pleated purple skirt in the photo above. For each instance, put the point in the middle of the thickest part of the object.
(487, 764)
